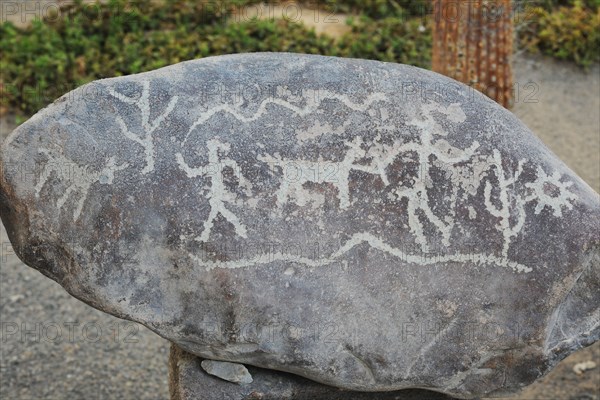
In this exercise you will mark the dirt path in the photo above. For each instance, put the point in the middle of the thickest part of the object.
(561, 104)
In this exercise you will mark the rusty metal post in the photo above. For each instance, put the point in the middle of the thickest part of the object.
(472, 43)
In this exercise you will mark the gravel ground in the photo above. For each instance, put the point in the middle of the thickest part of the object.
(55, 347)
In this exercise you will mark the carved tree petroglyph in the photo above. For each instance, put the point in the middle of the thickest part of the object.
(218, 192)
(145, 139)
(79, 178)
(515, 206)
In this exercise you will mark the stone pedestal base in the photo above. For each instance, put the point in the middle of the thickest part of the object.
(188, 381)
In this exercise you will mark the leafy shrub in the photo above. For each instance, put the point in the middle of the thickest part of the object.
(378, 8)
(88, 42)
(30, 65)
(553, 4)
(120, 37)
(569, 32)
(389, 39)
(47, 59)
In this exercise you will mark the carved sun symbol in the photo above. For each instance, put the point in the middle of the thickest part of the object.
(548, 190)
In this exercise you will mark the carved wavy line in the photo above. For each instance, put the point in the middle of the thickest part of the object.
(376, 243)
(302, 111)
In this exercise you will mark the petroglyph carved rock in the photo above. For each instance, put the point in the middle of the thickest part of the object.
(370, 226)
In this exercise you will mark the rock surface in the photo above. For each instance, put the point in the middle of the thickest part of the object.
(231, 372)
(367, 225)
(188, 381)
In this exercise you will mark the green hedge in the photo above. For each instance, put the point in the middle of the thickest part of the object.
(88, 42)
(52, 57)
(569, 32)
(389, 39)
(377, 8)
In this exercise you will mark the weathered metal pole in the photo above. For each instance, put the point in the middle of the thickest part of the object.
(472, 43)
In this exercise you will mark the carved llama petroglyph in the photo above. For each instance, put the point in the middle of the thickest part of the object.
(145, 139)
(336, 173)
(218, 192)
(80, 178)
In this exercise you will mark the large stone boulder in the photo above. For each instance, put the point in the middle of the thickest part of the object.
(366, 225)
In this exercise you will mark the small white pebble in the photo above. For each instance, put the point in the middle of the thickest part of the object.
(232, 372)
(16, 297)
(581, 367)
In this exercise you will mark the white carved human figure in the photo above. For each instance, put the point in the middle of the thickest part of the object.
(338, 173)
(511, 204)
(219, 194)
